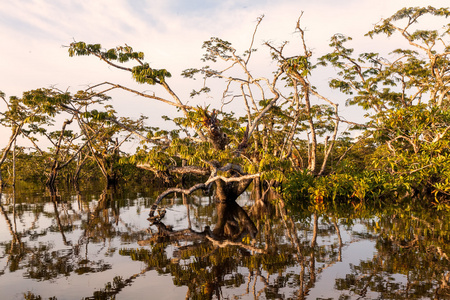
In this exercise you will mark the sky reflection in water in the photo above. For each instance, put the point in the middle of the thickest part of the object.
(99, 246)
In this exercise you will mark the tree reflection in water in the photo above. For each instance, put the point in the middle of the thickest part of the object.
(218, 251)
(412, 245)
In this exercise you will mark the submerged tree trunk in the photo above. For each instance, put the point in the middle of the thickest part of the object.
(111, 180)
(51, 177)
(233, 220)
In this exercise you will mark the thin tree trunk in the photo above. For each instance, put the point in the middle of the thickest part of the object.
(312, 153)
(12, 139)
(14, 164)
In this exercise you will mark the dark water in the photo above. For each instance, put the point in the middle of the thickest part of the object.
(99, 245)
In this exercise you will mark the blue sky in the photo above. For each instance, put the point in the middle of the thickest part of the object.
(169, 32)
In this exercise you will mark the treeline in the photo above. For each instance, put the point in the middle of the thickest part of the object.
(86, 142)
(32, 167)
(290, 138)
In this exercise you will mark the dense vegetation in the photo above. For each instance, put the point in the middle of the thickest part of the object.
(289, 137)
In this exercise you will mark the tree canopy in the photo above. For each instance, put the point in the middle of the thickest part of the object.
(289, 138)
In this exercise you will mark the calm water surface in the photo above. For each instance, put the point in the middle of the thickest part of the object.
(99, 245)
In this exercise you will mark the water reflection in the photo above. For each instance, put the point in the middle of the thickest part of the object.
(411, 261)
(100, 245)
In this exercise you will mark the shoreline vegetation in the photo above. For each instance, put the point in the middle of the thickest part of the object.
(291, 141)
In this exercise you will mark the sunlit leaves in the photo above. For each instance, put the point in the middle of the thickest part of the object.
(404, 96)
(81, 48)
(121, 53)
(96, 115)
(411, 14)
(46, 100)
(145, 74)
(300, 64)
(215, 48)
(142, 72)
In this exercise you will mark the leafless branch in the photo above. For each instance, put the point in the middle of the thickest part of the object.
(118, 86)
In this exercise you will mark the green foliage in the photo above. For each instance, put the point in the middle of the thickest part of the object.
(402, 152)
(320, 193)
(36, 107)
(145, 74)
(407, 105)
(412, 15)
(215, 48)
(121, 54)
(142, 72)
(300, 64)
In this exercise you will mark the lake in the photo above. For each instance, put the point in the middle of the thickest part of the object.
(98, 244)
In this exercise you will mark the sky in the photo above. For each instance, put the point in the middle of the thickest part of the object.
(34, 33)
